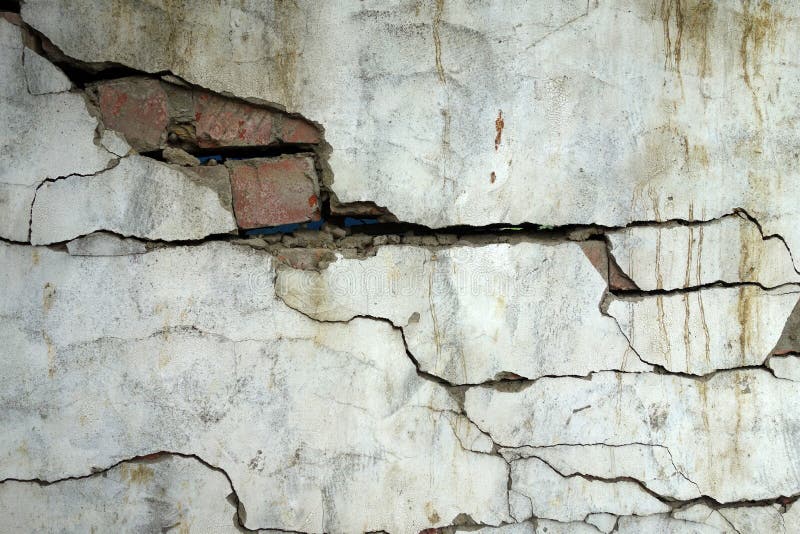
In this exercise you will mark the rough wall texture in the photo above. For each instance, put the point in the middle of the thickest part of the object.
(575, 308)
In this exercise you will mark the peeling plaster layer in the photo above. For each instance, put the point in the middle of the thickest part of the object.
(725, 434)
(321, 427)
(43, 135)
(473, 314)
(702, 331)
(687, 114)
(731, 249)
(155, 495)
(139, 197)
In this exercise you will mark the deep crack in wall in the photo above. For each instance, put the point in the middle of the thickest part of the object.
(508, 267)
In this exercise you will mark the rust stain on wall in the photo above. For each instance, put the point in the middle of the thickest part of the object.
(499, 124)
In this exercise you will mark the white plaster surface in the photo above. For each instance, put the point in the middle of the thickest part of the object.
(473, 314)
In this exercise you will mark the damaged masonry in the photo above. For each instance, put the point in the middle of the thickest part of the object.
(446, 266)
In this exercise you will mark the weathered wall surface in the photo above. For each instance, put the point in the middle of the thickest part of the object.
(576, 310)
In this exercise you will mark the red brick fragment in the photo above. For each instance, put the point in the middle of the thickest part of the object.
(224, 122)
(137, 108)
(274, 191)
(298, 131)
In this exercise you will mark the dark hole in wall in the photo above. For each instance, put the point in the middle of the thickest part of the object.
(10, 5)
(248, 152)
(349, 222)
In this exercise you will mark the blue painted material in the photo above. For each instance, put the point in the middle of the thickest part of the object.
(350, 221)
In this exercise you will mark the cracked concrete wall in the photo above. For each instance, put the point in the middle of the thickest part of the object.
(576, 307)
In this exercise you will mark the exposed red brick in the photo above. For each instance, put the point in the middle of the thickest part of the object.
(298, 131)
(137, 108)
(274, 191)
(224, 122)
(597, 253)
(221, 121)
(143, 109)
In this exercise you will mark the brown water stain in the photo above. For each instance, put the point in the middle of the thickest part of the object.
(437, 40)
(691, 20)
(759, 28)
(137, 474)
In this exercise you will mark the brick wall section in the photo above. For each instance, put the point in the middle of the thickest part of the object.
(274, 191)
(147, 110)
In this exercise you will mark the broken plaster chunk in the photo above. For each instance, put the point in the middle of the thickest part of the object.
(179, 157)
(43, 77)
(603, 522)
(577, 496)
(787, 366)
(722, 417)
(469, 435)
(701, 331)
(274, 191)
(480, 312)
(160, 494)
(730, 249)
(15, 211)
(43, 136)
(115, 143)
(649, 464)
(105, 244)
(193, 356)
(139, 197)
